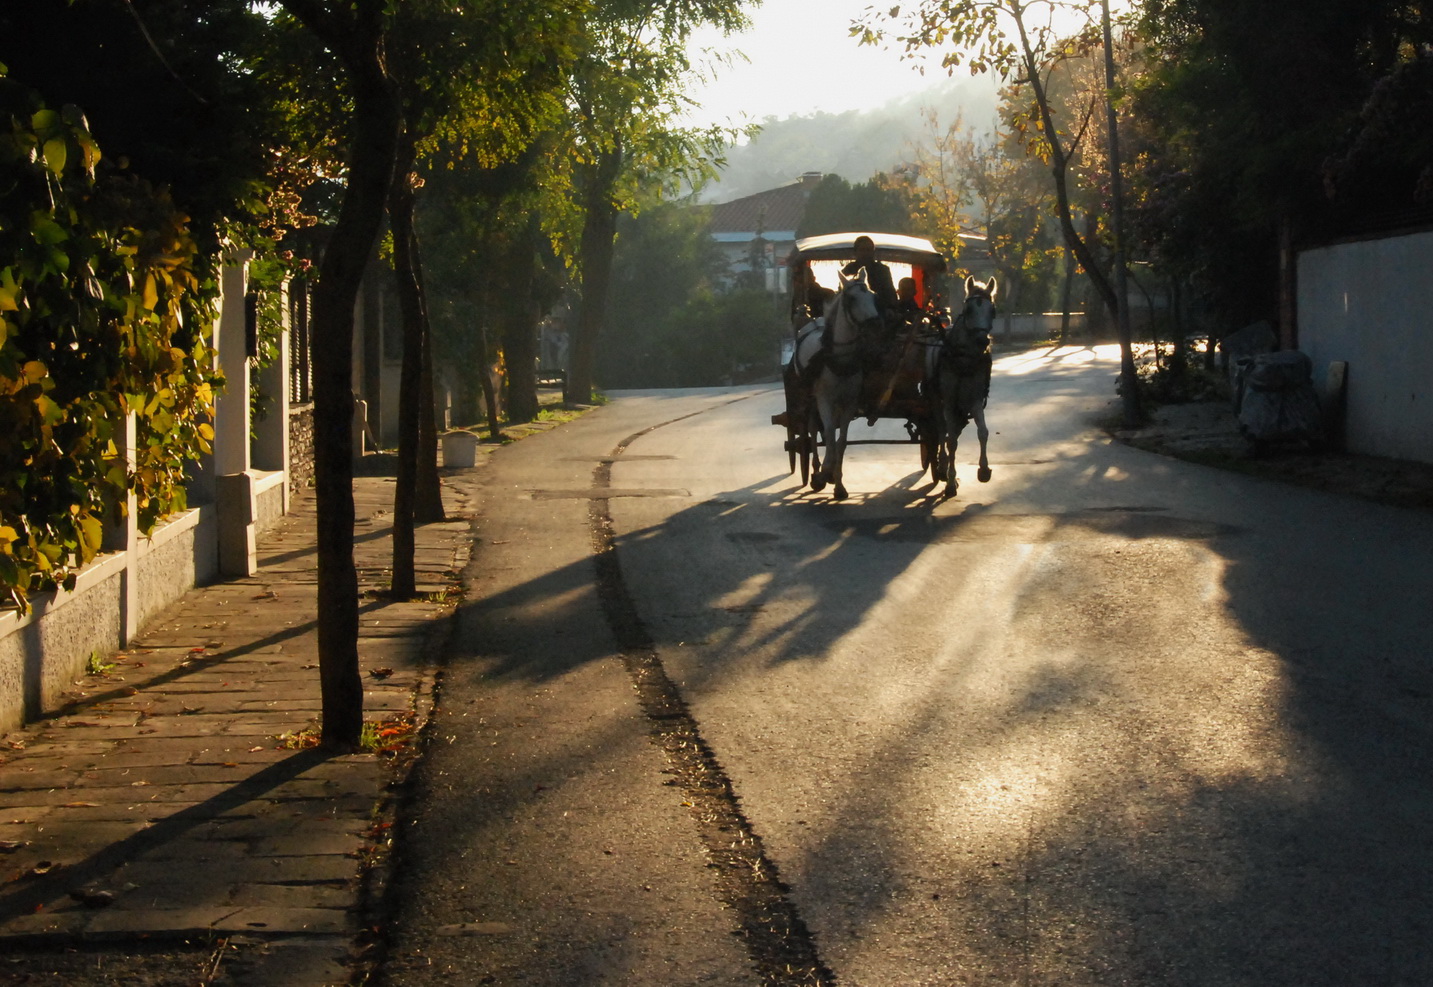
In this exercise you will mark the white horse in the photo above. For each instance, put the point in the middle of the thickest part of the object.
(962, 376)
(829, 362)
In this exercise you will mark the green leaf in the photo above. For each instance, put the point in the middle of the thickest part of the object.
(50, 412)
(12, 576)
(56, 152)
(45, 230)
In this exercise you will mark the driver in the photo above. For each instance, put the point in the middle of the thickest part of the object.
(878, 275)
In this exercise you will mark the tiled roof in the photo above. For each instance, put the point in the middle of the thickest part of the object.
(775, 209)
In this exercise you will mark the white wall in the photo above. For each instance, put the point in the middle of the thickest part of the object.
(1370, 303)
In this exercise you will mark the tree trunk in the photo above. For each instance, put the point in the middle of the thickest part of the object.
(1288, 286)
(1129, 381)
(1059, 161)
(485, 379)
(400, 215)
(1066, 295)
(428, 497)
(599, 229)
(357, 39)
(520, 330)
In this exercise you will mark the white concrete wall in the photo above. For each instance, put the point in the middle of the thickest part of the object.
(43, 653)
(1370, 304)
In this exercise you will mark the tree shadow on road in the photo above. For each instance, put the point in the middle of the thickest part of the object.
(1186, 743)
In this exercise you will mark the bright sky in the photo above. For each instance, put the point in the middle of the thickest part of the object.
(802, 59)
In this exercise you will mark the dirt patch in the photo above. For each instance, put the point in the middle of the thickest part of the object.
(1207, 432)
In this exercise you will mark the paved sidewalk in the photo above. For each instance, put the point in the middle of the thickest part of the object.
(163, 804)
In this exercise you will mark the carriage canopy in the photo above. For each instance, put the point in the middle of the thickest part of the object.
(890, 247)
(907, 256)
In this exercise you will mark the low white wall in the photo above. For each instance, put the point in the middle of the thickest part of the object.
(1369, 303)
(271, 499)
(1036, 325)
(44, 652)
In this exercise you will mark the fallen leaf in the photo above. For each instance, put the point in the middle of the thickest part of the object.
(10, 846)
(380, 673)
(92, 899)
(42, 868)
(476, 929)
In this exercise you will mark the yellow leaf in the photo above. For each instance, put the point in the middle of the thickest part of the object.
(9, 291)
(149, 295)
(91, 535)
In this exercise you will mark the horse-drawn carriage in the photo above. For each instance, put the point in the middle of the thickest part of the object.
(863, 350)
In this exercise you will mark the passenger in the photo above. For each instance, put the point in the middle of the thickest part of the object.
(906, 303)
(808, 296)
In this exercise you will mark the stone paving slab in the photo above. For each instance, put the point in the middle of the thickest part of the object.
(161, 803)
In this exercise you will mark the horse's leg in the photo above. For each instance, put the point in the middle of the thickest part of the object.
(837, 458)
(821, 471)
(952, 421)
(982, 433)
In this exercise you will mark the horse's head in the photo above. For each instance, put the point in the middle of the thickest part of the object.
(978, 315)
(856, 303)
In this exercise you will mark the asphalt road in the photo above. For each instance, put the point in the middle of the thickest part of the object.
(1107, 719)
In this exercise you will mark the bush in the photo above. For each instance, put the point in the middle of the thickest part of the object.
(104, 312)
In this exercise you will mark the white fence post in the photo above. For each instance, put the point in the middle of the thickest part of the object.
(235, 494)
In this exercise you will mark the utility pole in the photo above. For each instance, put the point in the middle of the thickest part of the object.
(1129, 393)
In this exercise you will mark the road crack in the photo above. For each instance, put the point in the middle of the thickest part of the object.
(780, 946)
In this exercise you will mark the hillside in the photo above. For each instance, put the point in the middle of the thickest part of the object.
(854, 145)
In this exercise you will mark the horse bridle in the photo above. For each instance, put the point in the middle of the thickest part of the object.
(965, 309)
(961, 342)
(844, 303)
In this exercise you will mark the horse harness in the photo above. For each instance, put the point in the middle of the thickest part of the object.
(842, 364)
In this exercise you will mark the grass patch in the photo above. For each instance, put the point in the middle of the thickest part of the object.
(559, 413)
(99, 664)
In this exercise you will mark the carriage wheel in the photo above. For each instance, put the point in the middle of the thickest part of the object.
(802, 449)
(795, 438)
